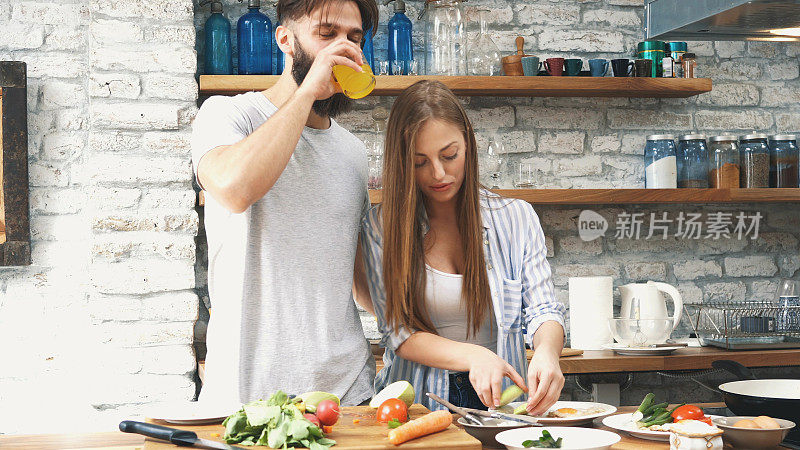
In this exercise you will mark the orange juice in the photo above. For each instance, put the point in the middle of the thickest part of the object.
(354, 84)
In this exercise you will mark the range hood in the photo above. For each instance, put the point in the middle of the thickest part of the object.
(722, 20)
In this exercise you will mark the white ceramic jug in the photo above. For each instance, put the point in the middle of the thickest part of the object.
(644, 301)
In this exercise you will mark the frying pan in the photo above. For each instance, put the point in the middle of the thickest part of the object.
(753, 397)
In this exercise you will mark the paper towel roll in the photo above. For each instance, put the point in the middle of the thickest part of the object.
(591, 304)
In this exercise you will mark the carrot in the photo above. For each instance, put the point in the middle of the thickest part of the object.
(427, 424)
(356, 421)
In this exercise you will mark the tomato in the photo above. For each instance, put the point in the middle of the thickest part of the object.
(313, 419)
(688, 412)
(706, 420)
(394, 408)
(328, 412)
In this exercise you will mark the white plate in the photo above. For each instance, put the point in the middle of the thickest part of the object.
(574, 438)
(191, 413)
(623, 349)
(607, 410)
(622, 422)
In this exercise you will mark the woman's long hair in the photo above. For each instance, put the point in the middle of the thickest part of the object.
(402, 209)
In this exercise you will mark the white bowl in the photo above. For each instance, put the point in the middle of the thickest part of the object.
(574, 438)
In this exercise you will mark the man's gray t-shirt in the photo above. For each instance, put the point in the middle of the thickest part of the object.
(280, 274)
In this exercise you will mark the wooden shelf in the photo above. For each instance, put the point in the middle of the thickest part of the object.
(629, 196)
(494, 86)
(640, 196)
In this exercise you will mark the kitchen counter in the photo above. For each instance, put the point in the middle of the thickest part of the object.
(124, 441)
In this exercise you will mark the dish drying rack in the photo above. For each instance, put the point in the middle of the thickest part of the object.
(719, 324)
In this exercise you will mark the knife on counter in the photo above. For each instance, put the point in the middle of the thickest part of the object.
(182, 438)
(477, 412)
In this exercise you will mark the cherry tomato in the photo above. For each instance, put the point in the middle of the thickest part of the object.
(394, 408)
(312, 418)
(328, 412)
(688, 412)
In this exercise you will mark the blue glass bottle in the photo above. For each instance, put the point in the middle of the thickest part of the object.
(400, 49)
(218, 55)
(369, 50)
(254, 33)
(279, 56)
(660, 161)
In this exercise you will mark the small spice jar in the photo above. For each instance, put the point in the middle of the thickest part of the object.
(689, 65)
(692, 161)
(754, 153)
(783, 167)
(660, 162)
(723, 162)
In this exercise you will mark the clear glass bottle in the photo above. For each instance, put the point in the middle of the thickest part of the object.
(754, 153)
(723, 162)
(484, 56)
(375, 148)
(445, 37)
(490, 163)
(660, 162)
(692, 161)
(783, 168)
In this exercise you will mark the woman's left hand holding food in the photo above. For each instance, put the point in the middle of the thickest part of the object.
(545, 379)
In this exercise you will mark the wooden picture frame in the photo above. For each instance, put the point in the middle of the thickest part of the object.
(15, 237)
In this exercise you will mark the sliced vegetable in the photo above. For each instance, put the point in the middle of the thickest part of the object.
(510, 394)
(638, 415)
(425, 425)
(521, 409)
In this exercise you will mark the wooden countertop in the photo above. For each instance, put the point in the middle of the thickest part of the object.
(124, 441)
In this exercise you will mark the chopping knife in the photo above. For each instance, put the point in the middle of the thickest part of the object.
(182, 438)
(492, 414)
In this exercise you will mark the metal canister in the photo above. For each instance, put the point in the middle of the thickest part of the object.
(653, 50)
(676, 50)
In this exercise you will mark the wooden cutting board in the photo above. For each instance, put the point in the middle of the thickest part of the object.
(368, 434)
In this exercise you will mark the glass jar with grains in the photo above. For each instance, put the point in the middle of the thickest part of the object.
(723, 162)
(754, 153)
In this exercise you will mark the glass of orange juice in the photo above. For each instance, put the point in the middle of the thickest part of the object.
(355, 84)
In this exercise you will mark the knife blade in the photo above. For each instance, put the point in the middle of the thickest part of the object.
(183, 438)
(500, 415)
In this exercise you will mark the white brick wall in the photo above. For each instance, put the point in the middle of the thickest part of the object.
(103, 320)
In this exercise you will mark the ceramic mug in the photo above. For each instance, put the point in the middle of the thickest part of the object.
(643, 68)
(554, 66)
(598, 67)
(622, 67)
(530, 65)
(573, 66)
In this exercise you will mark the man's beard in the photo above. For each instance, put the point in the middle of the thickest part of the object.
(330, 107)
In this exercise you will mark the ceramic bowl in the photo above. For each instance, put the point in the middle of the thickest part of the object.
(574, 438)
(486, 434)
(752, 438)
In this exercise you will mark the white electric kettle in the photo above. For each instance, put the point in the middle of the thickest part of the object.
(644, 301)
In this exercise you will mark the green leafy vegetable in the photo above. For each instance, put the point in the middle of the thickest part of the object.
(546, 441)
(276, 423)
(394, 423)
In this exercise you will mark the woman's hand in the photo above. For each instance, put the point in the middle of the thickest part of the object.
(545, 381)
(486, 372)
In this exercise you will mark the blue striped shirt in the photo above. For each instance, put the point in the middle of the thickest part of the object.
(519, 279)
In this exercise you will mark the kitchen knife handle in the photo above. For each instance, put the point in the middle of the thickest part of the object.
(173, 435)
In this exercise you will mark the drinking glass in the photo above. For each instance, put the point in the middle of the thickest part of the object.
(524, 175)
(383, 68)
(789, 302)
(413, 67)
(490, 163)
(355, 84)
(398, 68)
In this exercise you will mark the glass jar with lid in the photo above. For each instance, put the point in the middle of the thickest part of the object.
(660, 155)
(754, 153)
(692, 161)
(723, 162)
(783, 167)
(445, 37)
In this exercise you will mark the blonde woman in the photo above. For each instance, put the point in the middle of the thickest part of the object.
(457, 274)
